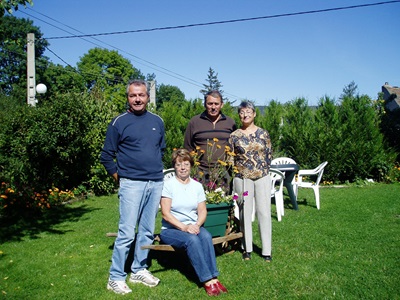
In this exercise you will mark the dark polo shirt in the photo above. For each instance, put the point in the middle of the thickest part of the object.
(200, 130)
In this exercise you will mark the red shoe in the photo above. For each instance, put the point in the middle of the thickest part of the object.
(221, 287)
(212, 289)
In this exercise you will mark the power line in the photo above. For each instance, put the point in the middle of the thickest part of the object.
(136, 58)
(164, 70)
(47, 48)
(226, 21)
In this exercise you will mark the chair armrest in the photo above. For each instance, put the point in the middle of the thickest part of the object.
(306, 172)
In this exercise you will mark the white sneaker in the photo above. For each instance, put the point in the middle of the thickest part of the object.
(118, 287)
(145, 277)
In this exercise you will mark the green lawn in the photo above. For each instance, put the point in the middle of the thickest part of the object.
(347, 250)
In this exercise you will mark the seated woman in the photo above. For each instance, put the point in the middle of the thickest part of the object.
(184, 211)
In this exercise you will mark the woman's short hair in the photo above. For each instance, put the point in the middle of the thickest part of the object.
(246, 104)
(183, 155)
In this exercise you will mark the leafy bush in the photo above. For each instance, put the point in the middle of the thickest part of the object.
(56, 143)
(46, 145)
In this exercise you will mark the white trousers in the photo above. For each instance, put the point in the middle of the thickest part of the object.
(260, 190)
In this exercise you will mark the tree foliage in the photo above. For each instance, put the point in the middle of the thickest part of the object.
(60, 80)
(169, 93)
(108, 71)
(13, 55)
(57, 143)
(345, 134)
(213, 84)
(273, 121)
(44, 145)
(9, 5)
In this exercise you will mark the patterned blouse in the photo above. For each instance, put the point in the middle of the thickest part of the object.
(253, 153)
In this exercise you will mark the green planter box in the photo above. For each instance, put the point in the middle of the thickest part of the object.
(217, 217)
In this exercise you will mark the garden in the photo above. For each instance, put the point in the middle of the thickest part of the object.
(346, 250)
(57, 202)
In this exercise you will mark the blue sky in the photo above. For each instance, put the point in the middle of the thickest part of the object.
(282, 58)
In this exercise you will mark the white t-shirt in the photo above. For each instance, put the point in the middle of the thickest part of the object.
(185, 198)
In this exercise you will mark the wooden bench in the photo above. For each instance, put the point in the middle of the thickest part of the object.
(164, 247)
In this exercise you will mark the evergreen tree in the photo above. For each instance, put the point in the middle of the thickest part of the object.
(213, 84)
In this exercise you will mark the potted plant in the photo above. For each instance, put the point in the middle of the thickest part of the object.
(216, 180)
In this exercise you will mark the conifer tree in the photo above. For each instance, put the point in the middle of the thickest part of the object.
(213, 84)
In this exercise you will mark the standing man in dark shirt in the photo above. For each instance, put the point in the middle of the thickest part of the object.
(208, 125)
(132, 154)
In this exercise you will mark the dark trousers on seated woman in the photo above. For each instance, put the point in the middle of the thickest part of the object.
(199, 248)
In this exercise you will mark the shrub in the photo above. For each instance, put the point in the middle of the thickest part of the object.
(56, 143)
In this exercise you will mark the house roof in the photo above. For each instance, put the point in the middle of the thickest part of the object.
(391, 95)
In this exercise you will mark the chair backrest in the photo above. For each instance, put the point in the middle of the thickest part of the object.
(276, 176)
(169, 173)
(283, 161)
(320, 170)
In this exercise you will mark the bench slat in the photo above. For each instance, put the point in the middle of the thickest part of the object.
(164, 247)
(216, 241)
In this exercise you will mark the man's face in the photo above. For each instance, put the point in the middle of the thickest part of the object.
(137, 98)
(213, 106)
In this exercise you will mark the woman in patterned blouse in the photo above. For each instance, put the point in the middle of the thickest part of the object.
(252, 146)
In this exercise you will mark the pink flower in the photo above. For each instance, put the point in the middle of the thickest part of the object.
(246, 193)
(212, 185)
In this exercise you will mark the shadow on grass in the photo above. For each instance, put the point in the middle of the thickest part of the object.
(177, 260)
(31, 224)
(287, 203)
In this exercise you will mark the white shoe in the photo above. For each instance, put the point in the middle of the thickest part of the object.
(118, 287)
(145, 277)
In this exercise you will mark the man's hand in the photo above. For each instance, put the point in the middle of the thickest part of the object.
(115, 176)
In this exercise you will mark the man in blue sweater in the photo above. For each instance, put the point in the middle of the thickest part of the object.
(132, 154)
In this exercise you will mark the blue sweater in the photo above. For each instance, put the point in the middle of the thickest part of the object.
(137, 142)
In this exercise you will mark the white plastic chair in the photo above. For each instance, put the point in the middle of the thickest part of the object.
(169, 173)
(283, 161)
(277, 191)
(318, 171)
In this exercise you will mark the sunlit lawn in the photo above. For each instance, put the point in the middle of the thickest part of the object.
(347, 250)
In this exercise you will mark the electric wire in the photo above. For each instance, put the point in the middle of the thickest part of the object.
(169, 72)
(137, 59)
(226, 21)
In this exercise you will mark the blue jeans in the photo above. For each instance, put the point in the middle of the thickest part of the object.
(199, 249)
(138, 207)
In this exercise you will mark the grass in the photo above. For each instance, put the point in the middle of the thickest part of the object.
(347, 250)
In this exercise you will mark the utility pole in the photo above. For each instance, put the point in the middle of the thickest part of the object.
(31, 81)
(153, 92)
